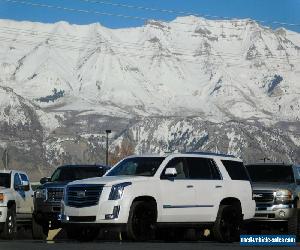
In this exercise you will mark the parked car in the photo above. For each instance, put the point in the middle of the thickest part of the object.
(16, 202)
(48, 196)
(143, 193)
(276, 190)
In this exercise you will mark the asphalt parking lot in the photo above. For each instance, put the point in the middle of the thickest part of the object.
(104, 245)
(57, 240)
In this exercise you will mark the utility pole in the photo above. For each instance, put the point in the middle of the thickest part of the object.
(106, 158)
(5, 158)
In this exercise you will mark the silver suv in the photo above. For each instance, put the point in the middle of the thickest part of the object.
(276, 190)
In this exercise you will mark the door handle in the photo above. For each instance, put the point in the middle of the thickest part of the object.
(189, 186)
(218, 186)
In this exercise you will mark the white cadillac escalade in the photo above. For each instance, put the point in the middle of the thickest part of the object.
(141, 195)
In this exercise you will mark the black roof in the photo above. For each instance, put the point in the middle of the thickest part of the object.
(269, 164)
(211, 153)
(83, 166)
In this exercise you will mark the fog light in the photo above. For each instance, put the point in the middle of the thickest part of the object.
(281, 213)
(114, 215)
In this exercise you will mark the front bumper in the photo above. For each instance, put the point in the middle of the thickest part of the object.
(274, 212)
(3, 214)
(46, 211)
(106, 212)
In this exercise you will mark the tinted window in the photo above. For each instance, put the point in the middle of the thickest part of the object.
(76, 173)
(180, 166)
(298, 170)
(24, 177)
(271, 173)
(5, 180)
(202, 168)
(236, 170)
(137, 166)
(17, 181)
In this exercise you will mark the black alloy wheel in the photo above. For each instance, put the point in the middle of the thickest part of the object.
(142, 221)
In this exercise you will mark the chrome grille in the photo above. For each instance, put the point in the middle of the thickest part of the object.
(83, 195)
(263, 195)
(55, 194)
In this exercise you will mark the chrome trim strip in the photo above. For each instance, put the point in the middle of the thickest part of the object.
(186, 206)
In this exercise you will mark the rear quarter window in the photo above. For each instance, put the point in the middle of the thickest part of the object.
(236, 170)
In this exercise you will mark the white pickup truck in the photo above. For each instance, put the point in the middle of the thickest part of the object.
(16, 202)
(143, 194)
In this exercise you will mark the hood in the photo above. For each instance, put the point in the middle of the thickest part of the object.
(272, 186)
(4, 189)
(111, 180)
(56, 184)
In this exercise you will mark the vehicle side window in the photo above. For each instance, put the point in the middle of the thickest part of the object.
(24, 177)
(17, 181)
(298, 171)
(180, 166)
(298, 176)
(202, 168)
(236, 170)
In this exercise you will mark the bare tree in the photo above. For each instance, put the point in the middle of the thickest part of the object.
(125, 149)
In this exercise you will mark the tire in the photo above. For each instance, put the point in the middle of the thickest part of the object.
(10, 225)
(39, 232)
(142, 221)
(228, 223)
(83, 234)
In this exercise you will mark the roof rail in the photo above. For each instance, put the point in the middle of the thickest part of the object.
(211, 153)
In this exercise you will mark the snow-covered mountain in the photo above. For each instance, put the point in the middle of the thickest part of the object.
(230, 77)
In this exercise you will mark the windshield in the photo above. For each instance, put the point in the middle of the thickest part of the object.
(138, 166)
(4, 180)
(76, 173)
(271, 173)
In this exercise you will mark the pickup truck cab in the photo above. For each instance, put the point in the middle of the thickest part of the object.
(276, 190)
(143, 193)
(16, 202)
(48, 196)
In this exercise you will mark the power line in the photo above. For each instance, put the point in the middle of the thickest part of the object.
(136, 46)
(72, 9)
(181, 12)
(196, 61)
(107, 13)
(74, 48)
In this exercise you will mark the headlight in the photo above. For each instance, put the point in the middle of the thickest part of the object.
(2, 197)
(284, 195)
(117, 190)
(41, 194)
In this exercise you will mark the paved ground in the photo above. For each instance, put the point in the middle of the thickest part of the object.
(69, 245)
(57, 241)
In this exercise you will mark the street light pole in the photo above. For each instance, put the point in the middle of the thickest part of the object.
(106, 158)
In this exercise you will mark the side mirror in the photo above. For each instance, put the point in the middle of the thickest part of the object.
(170, 173)
(44, 180)
(25, 185)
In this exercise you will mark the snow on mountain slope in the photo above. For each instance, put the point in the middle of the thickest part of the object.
(250, 141)
(225, 69)
(189, 84)
(15, 111)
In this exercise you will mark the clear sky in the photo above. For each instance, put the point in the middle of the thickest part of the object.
(285, 11)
